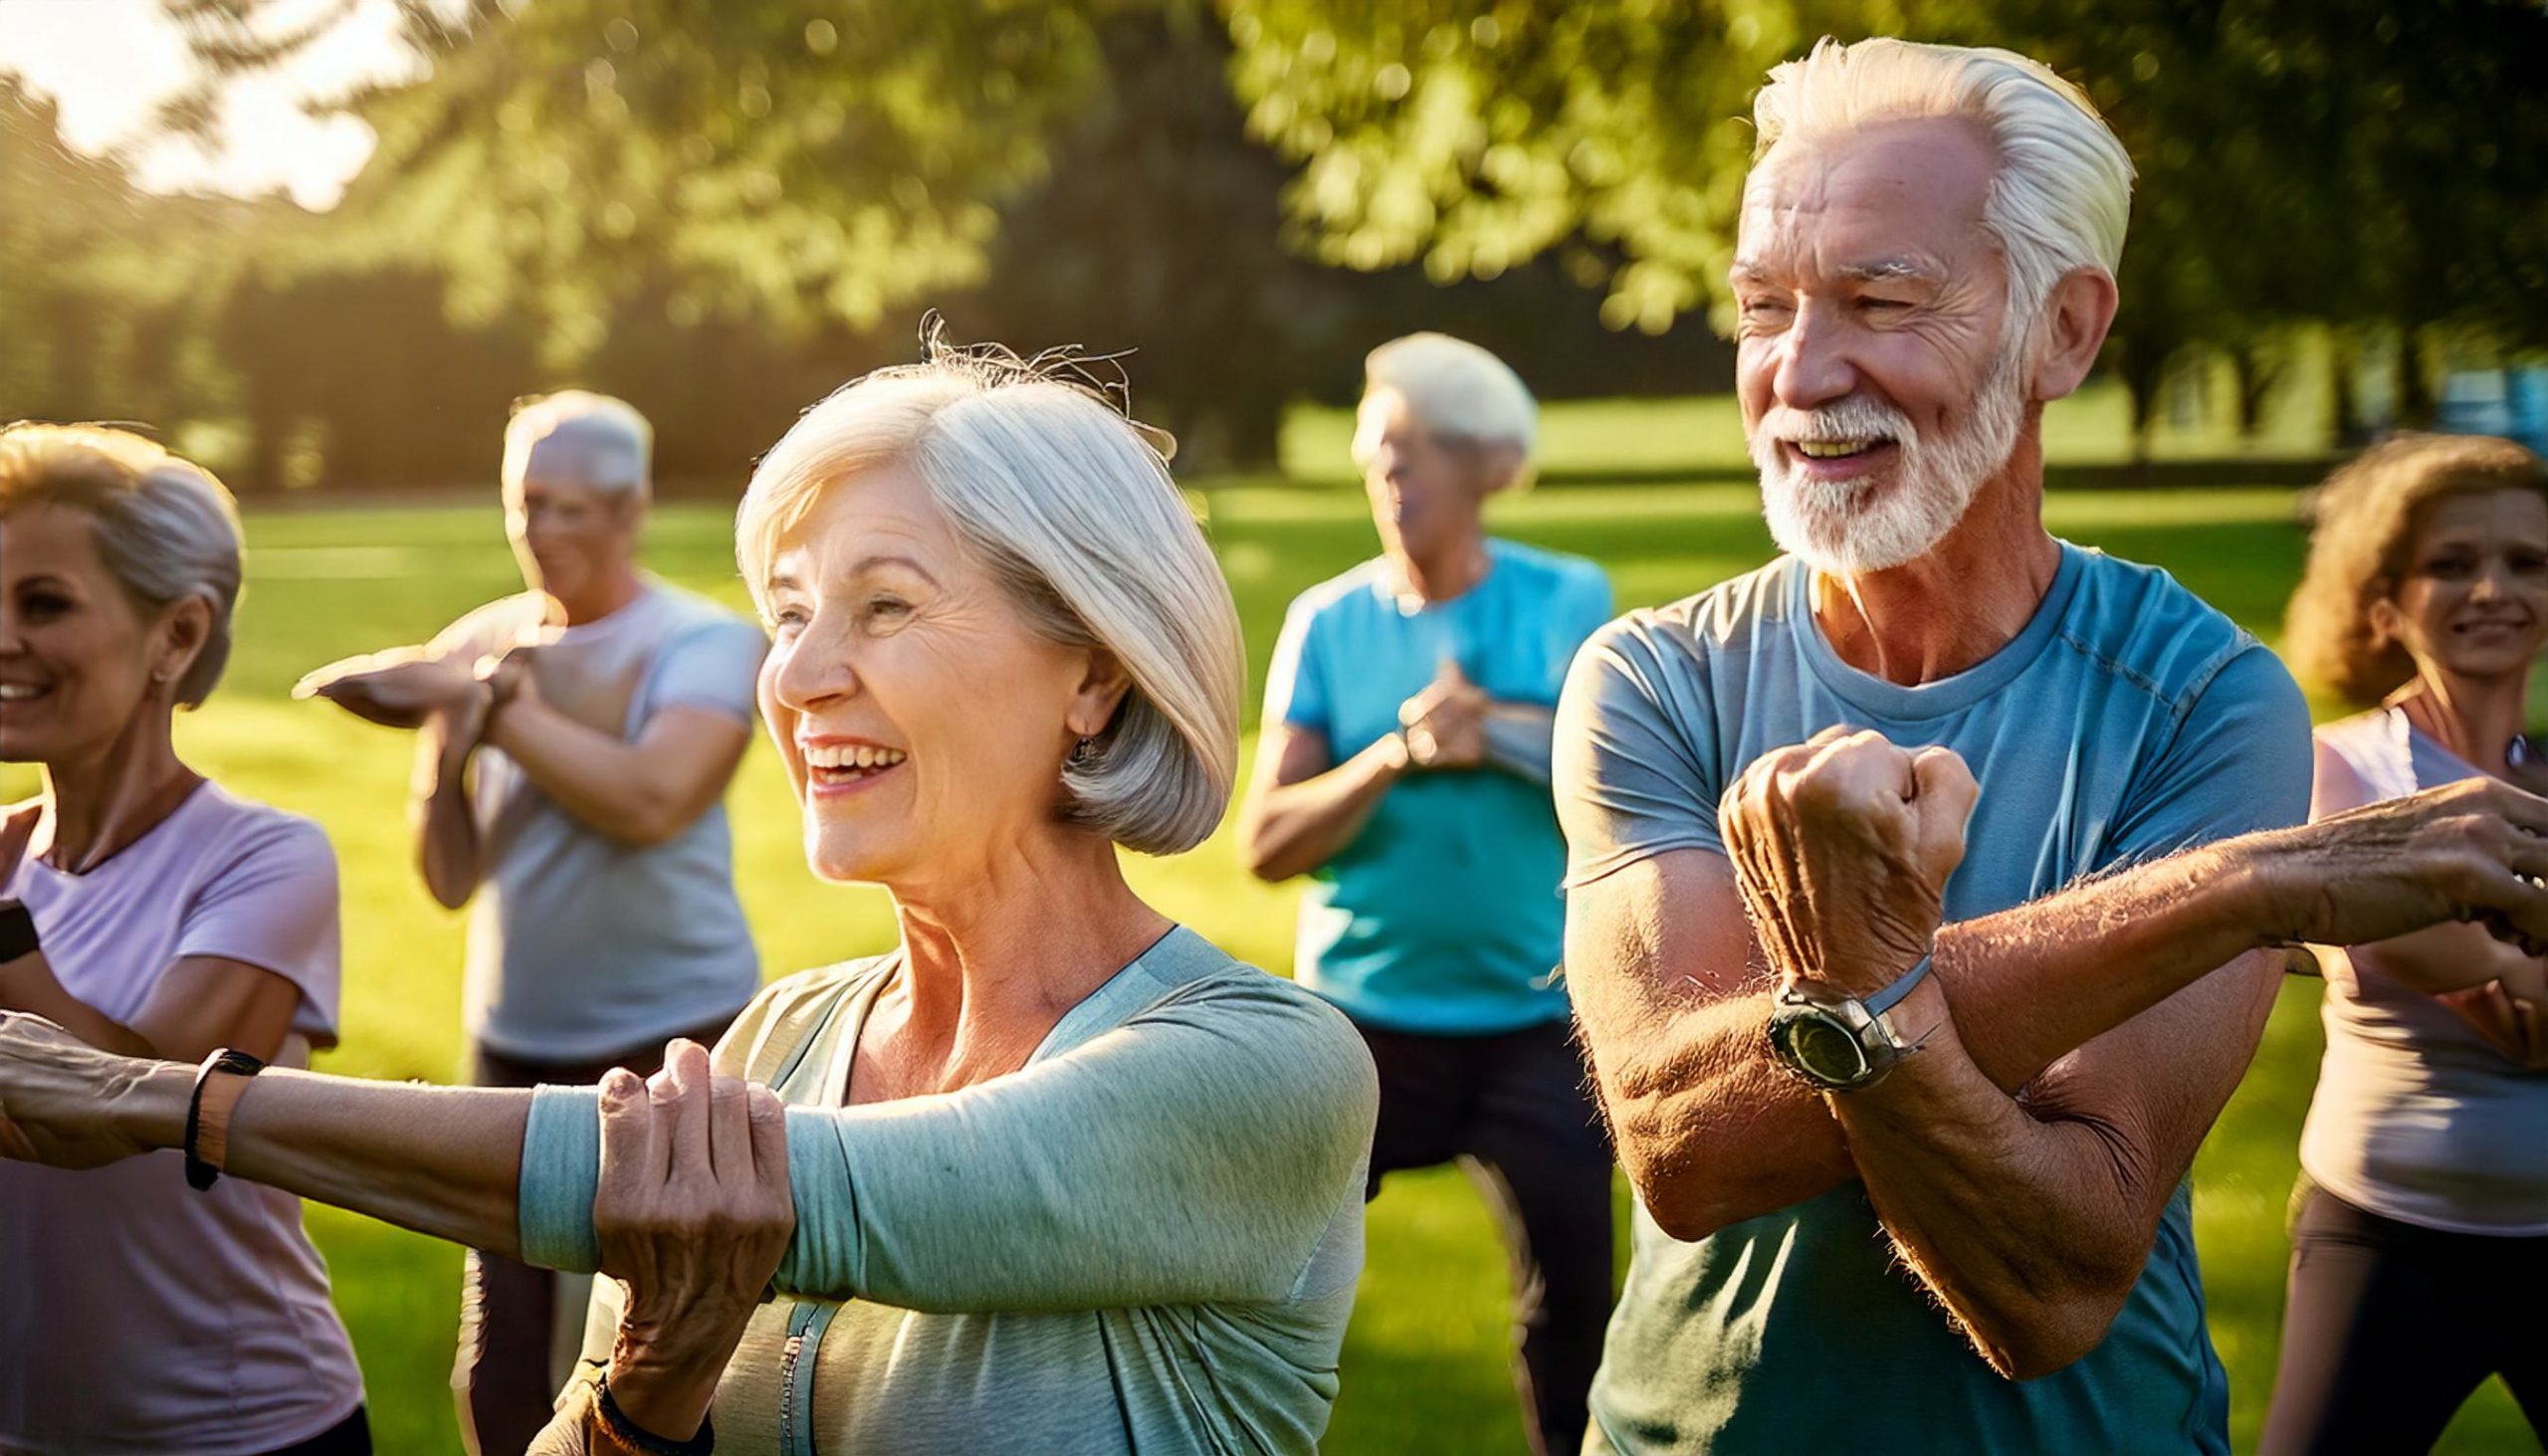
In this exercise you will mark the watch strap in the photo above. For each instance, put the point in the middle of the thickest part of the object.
(219, 1084)
(634, 1437)
(1891, 997)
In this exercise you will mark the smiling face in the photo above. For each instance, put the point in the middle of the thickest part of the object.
(2472, 600)
(1879, 372)
(571, 537)
(77, 653)
(1426, 490)
(922, 720)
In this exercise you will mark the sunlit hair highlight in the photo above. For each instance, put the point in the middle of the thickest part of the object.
(166, 530)
(2367, 514)
(2062, 195)
(1071, 506)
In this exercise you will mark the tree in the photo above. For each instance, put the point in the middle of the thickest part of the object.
(2338, 162)
(754, 158)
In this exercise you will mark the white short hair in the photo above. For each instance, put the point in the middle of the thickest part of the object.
(1074, 511)
(164, 527)
(1456, 389)
(578, 435)
(2063, 190)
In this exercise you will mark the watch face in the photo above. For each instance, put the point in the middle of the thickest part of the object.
(1823, 1050)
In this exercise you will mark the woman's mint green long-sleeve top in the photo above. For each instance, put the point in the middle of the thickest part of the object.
(1144, 1240)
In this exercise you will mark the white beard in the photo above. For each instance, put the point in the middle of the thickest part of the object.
(1832, 528)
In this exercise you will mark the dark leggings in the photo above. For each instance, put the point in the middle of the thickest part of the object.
(349, 1438)
(501, 1377)
(2391, 1326)
(1516, 1107)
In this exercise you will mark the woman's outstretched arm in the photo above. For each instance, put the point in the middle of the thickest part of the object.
(442, 1161)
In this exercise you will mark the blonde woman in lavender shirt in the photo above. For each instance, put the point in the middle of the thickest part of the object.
(152, 915)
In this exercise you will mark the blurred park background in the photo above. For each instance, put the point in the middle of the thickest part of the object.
(321, 244)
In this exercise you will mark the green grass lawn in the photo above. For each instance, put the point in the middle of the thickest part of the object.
(1425, 1364)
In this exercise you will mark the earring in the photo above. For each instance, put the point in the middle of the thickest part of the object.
(1082, 753)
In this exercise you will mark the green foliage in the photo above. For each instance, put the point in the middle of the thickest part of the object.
(2347, 162)
(789, 163)
(1478, 135)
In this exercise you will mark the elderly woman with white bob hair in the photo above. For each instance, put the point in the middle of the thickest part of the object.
(1053, 1174)
(1405, 767)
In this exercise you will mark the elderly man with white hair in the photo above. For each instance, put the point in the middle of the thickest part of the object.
(2000, 817)
(576, 741)
(1404, 764)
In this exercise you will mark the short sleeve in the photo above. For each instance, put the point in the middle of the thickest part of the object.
(273, 905)
(1295, 693)
(1587, 605)
(2240, 762)
(1633, 776)
(716, 667)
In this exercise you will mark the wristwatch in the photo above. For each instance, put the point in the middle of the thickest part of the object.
(17, 931)
(219, 1084)
(1842, 1043)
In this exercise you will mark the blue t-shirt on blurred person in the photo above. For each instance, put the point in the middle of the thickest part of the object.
(1445, 915)
(2127, 720)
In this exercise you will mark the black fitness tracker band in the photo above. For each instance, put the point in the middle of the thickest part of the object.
(636, 1437)
(208, 1146)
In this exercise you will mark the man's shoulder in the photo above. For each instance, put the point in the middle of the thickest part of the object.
(2138, 622)
(686, 611)
(1732, 615)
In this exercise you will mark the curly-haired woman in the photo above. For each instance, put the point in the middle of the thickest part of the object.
(2420, 1254)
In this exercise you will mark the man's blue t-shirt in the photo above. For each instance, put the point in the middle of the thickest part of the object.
(2127, 720)
(1444, 916)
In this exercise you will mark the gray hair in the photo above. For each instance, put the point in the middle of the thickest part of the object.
(1456, 389)
(1073, 510)
(578, 435)
(164, 527)
(2063, 190)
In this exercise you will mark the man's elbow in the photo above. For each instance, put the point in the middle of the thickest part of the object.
(1669, 1178)
(2051, 1334)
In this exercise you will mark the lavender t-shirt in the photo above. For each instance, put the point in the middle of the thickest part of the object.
(135, 1314)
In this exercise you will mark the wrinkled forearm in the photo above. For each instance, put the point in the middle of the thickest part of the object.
(1710, 1128)
(441, 1160)
(2032, 1232)
(1729, 1135)
(608, 783)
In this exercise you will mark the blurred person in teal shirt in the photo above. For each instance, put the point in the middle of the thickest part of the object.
(1404, 766)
